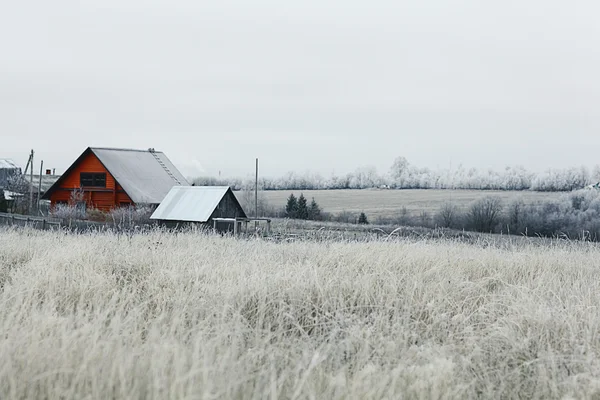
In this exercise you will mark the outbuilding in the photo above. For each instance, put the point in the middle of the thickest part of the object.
(210, 206)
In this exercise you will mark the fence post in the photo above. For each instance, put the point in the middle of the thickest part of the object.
(44, 224)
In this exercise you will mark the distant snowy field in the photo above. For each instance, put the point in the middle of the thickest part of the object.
(389, 203)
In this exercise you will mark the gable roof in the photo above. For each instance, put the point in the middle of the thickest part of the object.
(7, 163)
(145, 175)
(47, 182)
(192, 203)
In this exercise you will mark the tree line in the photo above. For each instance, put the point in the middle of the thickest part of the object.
(403, 175)
(574, 215)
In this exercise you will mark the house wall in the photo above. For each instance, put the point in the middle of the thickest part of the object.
(101, 198)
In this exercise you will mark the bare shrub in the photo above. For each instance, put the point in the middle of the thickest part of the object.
(93, 214)
(575, 215)
(130, 216)
(65, 212)
(516, 215)
(425, 220)
(346, 217)
(484, 214)
(404, 218)
(447, 215)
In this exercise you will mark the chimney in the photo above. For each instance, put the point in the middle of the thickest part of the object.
(53, 171)
(48, 172)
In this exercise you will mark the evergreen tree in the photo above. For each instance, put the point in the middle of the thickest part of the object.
(302, 207)
(3, 202)
(362, 219)
(291, 208)
(314, 211)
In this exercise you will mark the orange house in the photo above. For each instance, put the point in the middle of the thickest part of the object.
(105, 178)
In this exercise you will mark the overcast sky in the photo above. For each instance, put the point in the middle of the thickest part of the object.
(325, 86)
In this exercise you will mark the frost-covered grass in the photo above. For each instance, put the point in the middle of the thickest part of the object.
(160, 316)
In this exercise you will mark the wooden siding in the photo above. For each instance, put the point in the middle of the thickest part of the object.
(228, 207)
(101, 198)
(90, 163)
(123, 198)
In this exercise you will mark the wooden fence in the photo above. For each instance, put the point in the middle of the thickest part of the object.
(45, 223)
(30, 221)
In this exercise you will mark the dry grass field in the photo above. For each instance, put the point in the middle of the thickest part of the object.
(165, 316)
(388, 203)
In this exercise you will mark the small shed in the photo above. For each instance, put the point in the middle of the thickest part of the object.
(211, 206)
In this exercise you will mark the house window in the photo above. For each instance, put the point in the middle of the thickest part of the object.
(92, 179)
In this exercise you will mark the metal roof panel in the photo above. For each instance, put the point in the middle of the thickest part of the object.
(190, 203)
(146, 176)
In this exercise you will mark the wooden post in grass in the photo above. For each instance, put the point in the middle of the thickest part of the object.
(256, 197)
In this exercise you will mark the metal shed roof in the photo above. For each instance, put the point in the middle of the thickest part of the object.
(146, 176)
(47, 181)
(6, 163)
(190, 203)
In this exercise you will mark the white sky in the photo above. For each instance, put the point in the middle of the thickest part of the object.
(325, 86)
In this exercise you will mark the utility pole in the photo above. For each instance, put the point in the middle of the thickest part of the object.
(29, 167)
(256, 196)
(28, 164)
(40, 189)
